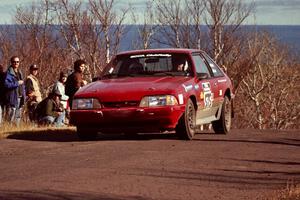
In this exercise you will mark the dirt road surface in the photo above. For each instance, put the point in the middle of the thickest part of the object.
(245, 164)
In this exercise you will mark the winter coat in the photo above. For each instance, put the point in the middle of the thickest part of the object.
(60, 87)
(73, 83)
(13, 89)
(2, 88)
(48, 107)
(33, 88)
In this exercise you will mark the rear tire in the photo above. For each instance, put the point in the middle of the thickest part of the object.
(86, 134)
(223, 125)
(185, 128)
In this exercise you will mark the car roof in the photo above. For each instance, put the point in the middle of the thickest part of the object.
(163, 50)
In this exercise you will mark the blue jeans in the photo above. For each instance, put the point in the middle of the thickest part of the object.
(57, 121)
(14, 114)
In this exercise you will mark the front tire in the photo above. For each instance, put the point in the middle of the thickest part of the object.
(185, 128)
(223, 125)
(86, 134)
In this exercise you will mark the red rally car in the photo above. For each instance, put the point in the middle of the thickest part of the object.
(155, 90)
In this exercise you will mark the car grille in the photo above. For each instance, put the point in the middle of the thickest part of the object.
(122, 104)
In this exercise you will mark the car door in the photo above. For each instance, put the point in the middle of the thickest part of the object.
(218, 80)
(206, 103)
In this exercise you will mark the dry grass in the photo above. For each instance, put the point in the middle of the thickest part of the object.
(292, 192)
(7, 130)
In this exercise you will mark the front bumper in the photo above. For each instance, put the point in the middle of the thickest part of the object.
(122, 119)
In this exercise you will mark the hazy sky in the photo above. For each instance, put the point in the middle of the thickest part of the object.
(277, 12)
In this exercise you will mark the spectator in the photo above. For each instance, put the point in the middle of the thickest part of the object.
(60, 87)
(75, 80)
(15, 91)
(33, 92)
(50, 111)
(2, 91)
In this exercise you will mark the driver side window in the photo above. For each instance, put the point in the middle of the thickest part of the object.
(200, 65)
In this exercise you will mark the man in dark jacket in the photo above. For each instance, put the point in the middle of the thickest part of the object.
(75, 80)
(15, 91)
(50, 111)
(2, 91)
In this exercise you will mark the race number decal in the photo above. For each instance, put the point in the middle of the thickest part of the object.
(208, 96)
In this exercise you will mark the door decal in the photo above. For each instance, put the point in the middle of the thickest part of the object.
(207, 95)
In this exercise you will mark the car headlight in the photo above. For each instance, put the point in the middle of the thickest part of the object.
(160, 100)
(85, 104)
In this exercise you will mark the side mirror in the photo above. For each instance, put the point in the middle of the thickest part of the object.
(202, 76)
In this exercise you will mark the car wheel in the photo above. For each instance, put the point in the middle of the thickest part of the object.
(185, 128)
(223, 125)
(86, 134)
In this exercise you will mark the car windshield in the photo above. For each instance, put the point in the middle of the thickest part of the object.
(148, 65)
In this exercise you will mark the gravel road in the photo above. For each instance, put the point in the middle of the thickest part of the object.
(54, 165)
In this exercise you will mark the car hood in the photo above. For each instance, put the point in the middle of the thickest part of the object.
(132, 88)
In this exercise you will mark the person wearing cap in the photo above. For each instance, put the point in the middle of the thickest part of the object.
(50, 111)
(33, 93)
(75, 80)
(15, 92)
(60, 87)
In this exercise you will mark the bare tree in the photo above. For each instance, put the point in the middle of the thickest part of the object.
(7, 45)
(57, 32)
(195, 9)
(223, 18)
(83, 34)
(179, 23)
(147, 29)
(169, 19)
(69, 16)
(269, 86)
(35, 42)
(111, 23)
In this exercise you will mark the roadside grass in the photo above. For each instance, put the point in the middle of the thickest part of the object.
(27, 129)
(291, 192)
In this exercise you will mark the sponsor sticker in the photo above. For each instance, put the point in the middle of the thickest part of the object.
(206, 86)
(208, 96)
(222, 81)
(208, 99)
(187, 88)
(180, 98)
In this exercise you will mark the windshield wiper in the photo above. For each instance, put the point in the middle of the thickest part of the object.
(163, 73)
(109, 76)
(117, 75)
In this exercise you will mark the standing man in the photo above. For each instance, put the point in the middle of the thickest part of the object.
(33, 91)
(2, 91)
(75, 80)
(15, 91)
